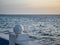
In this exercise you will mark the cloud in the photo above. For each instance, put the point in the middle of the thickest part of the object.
(17, 9)
(29, 6)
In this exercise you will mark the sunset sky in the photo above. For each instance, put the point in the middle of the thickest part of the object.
(29, 6)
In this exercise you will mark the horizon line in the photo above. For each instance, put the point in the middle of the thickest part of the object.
(27, 13)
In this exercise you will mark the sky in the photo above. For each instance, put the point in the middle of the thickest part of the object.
(29, 6)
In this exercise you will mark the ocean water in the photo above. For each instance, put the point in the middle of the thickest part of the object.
(44, 29)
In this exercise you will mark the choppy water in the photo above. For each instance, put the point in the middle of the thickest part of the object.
(45, 28)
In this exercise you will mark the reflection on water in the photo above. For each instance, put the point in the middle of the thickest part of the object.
(43, 29)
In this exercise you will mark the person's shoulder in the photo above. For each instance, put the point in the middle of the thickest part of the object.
(23, 35)
(13, 34)
(26, 34)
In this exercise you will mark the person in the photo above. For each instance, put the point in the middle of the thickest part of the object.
(21, 37)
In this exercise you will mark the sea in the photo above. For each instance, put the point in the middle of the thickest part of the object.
(43, 29)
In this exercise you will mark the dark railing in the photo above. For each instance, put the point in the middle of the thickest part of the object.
(4, 41)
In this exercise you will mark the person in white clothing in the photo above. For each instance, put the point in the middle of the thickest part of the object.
(21, 38)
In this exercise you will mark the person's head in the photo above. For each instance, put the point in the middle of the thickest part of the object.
(18, 29)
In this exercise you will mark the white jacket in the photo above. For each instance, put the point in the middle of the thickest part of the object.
(22, 39)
